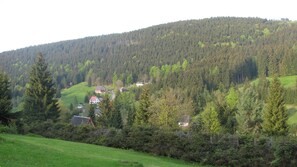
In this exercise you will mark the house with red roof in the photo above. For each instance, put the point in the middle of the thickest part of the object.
(94, 100)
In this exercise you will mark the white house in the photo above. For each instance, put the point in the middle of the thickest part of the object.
(94, 100)
(139, 84)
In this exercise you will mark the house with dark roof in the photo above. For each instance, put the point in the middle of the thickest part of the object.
(100, 90)
(77, 120)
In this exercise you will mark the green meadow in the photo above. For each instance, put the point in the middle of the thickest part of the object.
(79, 91)
(287, 81)
(21, 151)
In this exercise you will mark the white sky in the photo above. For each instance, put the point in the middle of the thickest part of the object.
(31, 22)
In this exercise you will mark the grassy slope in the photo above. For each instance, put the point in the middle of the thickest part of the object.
(287, 82)
(80, 90)
(18, 150)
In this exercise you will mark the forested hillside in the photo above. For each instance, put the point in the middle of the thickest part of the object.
(216, 50)
(196, 100)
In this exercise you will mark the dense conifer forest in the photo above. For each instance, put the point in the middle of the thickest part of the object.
(218, 50)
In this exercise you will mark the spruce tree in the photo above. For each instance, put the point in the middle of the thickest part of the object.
(249, 112)
(142, 113)
(106, 109)
(39, 102)
(92, 113)
(275, 115)
(116, 119)
(5, 100)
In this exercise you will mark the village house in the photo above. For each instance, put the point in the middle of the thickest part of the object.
(123, 89)
(94, 100)
(100, 90)
(184, 121)
(81, 120)
(139, 84)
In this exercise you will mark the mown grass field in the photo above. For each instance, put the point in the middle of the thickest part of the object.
(79, 91)
(21, 151)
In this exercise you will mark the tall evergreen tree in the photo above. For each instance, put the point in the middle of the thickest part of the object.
(39, 101)
(249, 112)
(106, 109)
(142, 113)
(92, 113)
(5, 100)
(116, 119)
(275, 115)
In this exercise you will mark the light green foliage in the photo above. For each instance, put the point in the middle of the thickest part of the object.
(215, 71)
(232, 98)
(266, 32)
(249, 112)
(233, 44)
(201, 44)
(129, 80)
(155, 72)
(185, 65)
(125, 104)
(166, 111)
(176, 68)
(114, 79)
(275, 116)
(166, 69)
(19, 151)
(209, 119)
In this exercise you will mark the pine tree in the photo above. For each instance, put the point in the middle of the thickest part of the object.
(275, 115)
(39, 102)
(5, 101)
(142, 113)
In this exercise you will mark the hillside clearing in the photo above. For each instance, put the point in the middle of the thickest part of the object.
(79, 91)
(18, 150)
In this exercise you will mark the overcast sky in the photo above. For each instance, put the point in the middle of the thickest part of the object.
(32, 22)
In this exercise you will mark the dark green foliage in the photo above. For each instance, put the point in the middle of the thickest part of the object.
(125, 107)
(218, 150)
(142, 113)
(275, 115)
(92, 113)
(5, 101)
(249, 114)
(116, 119)
(86, 99)
(106, 108)
(39, 101)
(218, 50)
(71, 107)
(285, 152)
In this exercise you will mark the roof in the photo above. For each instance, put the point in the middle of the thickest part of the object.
(94, 98)
(80, 120)
(101, 88)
